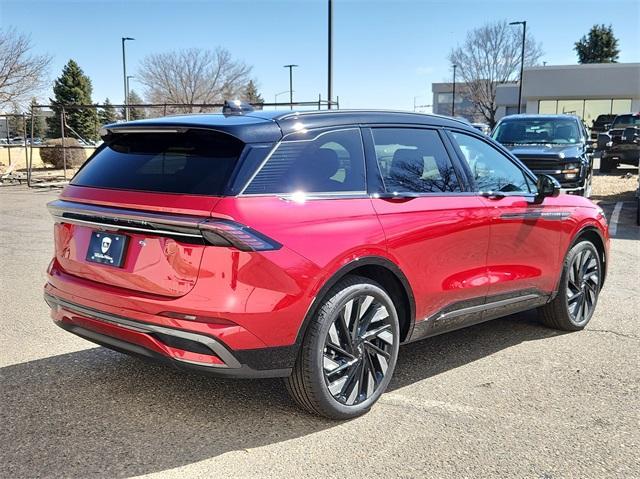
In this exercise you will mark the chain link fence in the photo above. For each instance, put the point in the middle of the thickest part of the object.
(28, 153)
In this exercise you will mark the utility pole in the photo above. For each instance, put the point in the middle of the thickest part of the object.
(524, 34)
(291, 67)
(330, 54)
(124, 78)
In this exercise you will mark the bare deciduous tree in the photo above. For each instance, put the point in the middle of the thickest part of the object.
(192, 76)
(489, 56)
(22, 74)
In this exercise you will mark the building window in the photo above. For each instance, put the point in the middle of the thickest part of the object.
(547, 107)
(571, 107)
(621, 106)
(595, 108)
(588, 110)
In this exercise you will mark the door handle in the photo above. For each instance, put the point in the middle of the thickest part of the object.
(493, 195)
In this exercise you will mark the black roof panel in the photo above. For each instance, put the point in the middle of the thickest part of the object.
(271, 125)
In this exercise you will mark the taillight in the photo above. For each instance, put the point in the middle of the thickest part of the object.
(229, 233)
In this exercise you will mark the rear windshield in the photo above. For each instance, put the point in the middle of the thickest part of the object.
(195, 162)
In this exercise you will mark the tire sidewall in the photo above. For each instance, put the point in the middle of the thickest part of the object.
(316, 352)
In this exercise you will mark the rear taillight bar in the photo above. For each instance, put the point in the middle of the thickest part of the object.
(213, 231)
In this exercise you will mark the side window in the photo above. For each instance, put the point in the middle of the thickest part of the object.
(413, 160)
(332, 162)
(491, 169)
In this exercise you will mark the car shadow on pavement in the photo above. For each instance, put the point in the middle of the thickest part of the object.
(97, 412)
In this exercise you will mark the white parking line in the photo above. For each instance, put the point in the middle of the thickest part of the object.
(615, 217)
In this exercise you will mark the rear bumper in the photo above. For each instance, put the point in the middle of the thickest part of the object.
(181, 348)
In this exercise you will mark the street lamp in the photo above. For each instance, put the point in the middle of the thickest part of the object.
(453, 96)
(275, 98)
(524, 33)
(124, 77)
(290, 67)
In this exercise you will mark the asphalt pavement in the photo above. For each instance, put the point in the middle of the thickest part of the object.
(504, 398)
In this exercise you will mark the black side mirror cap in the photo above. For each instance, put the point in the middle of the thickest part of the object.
(547, 186)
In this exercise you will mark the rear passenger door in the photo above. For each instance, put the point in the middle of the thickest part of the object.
(436, 232)
(524, 252)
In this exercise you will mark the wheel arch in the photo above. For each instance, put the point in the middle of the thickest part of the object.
(381, 270)
(593, 235)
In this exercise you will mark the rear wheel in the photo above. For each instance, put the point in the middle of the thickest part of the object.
(578, 292)
(349, 351)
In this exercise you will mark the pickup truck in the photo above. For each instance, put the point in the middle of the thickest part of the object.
(555, 145)
(621, 144)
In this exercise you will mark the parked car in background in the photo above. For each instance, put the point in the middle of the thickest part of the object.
(621, 144)
(555, 145)
(310, 245)
(600, 125)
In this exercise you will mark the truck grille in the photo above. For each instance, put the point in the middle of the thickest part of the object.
(537, 165)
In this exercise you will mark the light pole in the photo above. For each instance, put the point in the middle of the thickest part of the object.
(291, 67)
(129, 77)
(275, 98)
(524, 34)
(453, 95)
(330, 53)
(124, 77)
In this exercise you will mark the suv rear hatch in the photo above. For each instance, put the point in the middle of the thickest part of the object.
(131, 217)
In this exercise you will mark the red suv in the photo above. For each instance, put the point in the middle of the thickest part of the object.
(310, 245)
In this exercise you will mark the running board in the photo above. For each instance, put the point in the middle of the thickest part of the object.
(459, 316)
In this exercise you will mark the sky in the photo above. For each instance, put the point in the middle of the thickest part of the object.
(386, 53)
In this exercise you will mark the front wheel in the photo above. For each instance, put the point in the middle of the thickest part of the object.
(349, 351)
(607, 165)
(578, 291)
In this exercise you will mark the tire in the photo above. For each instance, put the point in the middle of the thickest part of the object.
(606, 165)
(341, 376)
(578, 291)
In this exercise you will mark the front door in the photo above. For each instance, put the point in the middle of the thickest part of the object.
(437, 233)
(524, 250)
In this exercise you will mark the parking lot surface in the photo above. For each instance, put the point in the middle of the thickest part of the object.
(504, 398)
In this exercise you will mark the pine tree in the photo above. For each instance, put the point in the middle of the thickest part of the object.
(39, 125)
(251, 94)
(599, 46)
(135, 112)
(73, 87)
(107, 113)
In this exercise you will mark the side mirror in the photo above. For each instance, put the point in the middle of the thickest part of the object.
(606, 127)
(547, 186)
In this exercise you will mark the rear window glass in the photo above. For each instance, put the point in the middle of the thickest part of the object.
(195, 162)
(332, 162)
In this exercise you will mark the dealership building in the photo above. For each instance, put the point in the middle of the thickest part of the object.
(585, 90)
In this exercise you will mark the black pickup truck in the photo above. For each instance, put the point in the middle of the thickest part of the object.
(556, 145)
(621, 144)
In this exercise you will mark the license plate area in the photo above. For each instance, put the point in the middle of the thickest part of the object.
(107, 248)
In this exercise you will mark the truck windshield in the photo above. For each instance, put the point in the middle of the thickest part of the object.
(626, 121)
(528, 131)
